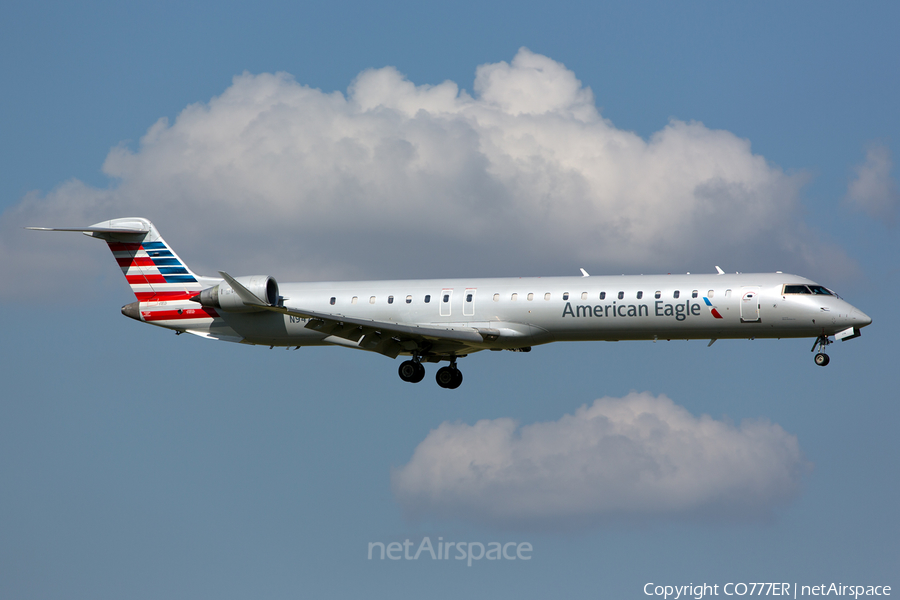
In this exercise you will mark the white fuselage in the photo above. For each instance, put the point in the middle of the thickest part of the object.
(537, 310)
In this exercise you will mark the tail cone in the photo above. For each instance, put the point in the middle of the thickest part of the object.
(133, 311)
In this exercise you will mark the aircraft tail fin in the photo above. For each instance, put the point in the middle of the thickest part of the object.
(153, 270)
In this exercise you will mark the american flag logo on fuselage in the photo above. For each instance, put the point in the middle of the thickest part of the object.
(712, 309)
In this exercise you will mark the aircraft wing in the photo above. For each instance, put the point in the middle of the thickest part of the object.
(386, 337)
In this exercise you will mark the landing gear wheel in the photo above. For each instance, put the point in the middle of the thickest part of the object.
(449, 377)
(819, 347)
(411, 371)
(457, 379)
(407, 370)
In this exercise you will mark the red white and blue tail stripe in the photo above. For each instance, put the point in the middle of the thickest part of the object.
(154, 272)
(162, 283)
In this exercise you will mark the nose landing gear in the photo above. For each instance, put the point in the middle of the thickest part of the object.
(820, 343)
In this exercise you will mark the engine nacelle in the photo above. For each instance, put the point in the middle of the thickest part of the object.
(224, 297)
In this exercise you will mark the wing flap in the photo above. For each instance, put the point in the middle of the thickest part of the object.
(354, 328)
(343, 326)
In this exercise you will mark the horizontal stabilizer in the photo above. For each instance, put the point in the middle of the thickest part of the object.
(137, 227)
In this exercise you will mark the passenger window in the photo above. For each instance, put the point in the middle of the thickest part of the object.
(353, 300)
(727, 293)
(547, 296)
(584, 295)
(496, 297)
(676, 294)
(446, 297)
(603, 295)
(530, 296)
(468, 297)
(565, 295)
(657, 295)
(711, 293)
(621, 295)
(371, 299)
(427, 298)
(390, 299)
(333, 300)
(694, 294)
(640, 295)
(514, 297)
(409, 299)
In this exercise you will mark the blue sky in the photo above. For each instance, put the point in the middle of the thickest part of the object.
(138, 464)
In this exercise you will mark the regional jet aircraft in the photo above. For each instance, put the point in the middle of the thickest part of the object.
(434, 320)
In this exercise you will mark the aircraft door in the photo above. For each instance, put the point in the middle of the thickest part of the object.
(446, 297)
(750, 305)
(469, 303)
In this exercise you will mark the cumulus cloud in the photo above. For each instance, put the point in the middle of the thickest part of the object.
(521, 177)
(874, 191)
(636, 457)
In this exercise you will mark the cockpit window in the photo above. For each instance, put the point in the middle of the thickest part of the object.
(818, 289)
(808, 289)
(796, 289)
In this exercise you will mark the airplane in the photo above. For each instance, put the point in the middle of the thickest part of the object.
(434, 320)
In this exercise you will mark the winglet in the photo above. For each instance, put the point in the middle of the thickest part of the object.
(584, 273)
(720, 271)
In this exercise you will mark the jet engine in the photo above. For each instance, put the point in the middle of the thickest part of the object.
(223, 296)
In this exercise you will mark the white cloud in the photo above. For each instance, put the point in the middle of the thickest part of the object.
(398, 180)
(636, 457)
(874, 191)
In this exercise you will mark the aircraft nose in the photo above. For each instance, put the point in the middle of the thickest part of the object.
(860, 317)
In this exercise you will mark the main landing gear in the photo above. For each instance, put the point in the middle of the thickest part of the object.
(412, 371)
(820, 343)
(447, 377)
